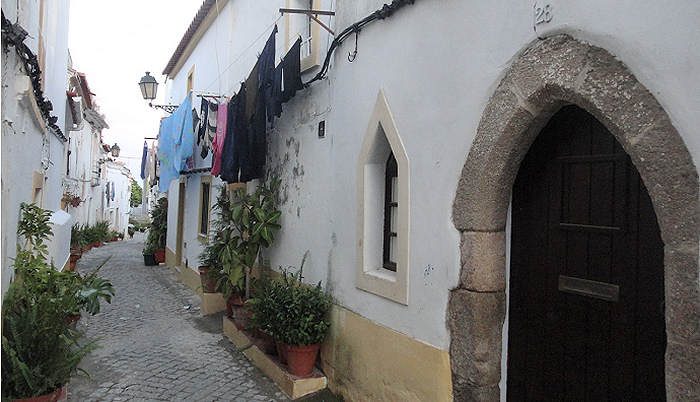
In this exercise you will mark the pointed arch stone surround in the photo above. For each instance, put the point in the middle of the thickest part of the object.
(549, 74)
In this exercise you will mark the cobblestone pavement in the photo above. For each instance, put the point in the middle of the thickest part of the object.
(154, 343)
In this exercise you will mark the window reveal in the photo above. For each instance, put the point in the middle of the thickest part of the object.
(391, 207)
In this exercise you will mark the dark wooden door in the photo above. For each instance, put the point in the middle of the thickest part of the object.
(586, 303)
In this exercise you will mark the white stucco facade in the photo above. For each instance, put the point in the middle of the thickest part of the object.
(32, 154)
(436, 64)
(84, 168)
(436, 90)
(118, 197)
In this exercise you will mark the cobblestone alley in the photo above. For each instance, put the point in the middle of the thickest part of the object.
(154, 343)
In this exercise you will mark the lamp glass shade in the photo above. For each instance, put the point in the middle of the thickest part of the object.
(149, 86)
(115, 150)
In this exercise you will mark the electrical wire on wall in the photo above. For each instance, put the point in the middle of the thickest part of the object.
(386, 11)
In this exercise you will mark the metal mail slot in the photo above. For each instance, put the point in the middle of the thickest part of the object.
(588, 288)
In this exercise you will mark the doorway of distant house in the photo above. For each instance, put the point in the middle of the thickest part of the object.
(180, 223)
(586, 301)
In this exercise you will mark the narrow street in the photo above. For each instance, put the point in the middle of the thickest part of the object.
(154, 343)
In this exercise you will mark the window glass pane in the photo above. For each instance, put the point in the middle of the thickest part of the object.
(394, 189)
(204, 226)
(394, 217)
(392, 249)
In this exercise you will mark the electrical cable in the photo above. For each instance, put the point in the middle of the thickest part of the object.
(386, 11)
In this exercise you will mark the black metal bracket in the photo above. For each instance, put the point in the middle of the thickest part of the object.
(167, 108)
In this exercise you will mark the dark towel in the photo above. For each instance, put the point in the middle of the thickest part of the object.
(291, 66)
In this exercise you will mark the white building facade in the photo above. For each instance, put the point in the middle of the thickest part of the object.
(117, 195)
(84, 173)
(458, 92)
(34, 140)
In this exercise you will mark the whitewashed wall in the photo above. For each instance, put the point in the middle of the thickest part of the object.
(26, 148)
(438, 63)
(117, 210)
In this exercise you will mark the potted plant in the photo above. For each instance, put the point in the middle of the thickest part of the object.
(218, 262)
(208, 270)
(149, 258)
(131, 232)
(159, 228)
(255, 218)
(262, 306)
(71, 199)
(300, 321)
(40, 350)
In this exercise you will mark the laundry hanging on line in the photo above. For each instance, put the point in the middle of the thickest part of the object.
(176, 143)
(144, 158)
(234, 132)
(257, 103)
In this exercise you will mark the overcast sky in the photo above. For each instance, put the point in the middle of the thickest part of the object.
(114, 43)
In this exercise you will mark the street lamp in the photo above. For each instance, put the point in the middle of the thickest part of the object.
(149, 87)
(115, 150)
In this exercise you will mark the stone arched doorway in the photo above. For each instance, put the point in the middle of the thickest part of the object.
(550, 74)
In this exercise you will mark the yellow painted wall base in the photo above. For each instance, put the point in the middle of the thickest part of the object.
(294, 387)
(365, 361)
(211, 302)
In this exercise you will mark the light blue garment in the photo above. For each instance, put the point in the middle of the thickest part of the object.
(176, 143)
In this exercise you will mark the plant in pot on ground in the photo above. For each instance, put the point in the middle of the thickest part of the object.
(159, 228)
(219, 261)
(255, 218)
(40, 350)
(149, 253)
(300, 321)
(262, 305)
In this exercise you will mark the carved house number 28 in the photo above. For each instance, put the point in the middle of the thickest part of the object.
(543, 13)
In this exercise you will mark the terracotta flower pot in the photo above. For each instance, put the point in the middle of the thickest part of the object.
(237, 300)
(267, 342)
(229, 308)
(72, 265)
(74, 258)
(301, 359)
(208, 285)
(160, 255)
(97, 244)
(281, 351)
(58, 395)
(73, 319)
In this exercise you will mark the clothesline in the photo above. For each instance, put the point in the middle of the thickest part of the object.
(240, 55)
(235, 129)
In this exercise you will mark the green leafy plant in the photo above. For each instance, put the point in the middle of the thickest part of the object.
(136, 194)
(219, 253)
(255, 218)
(159, 224)
(295, 313)
(150, 248)
(102, 232)
(34, 229)
(40, 351)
